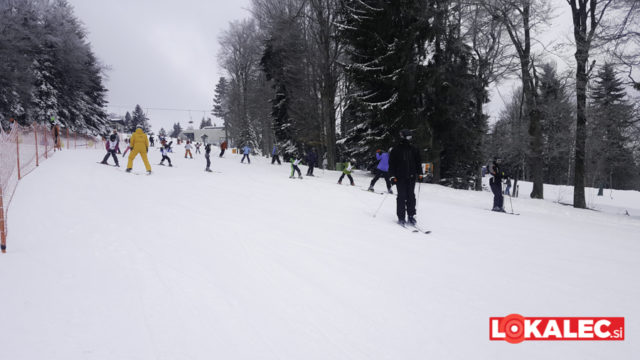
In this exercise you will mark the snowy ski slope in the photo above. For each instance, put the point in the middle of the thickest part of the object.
(249, 264)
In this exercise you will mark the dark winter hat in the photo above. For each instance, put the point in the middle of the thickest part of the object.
(405, 134)
(112, 137)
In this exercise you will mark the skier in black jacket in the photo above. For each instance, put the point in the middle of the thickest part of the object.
(405, 168)
(496, 184)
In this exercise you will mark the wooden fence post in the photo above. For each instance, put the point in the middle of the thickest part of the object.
(3, 232)
(35, 133)
(18, 151)
(46, 142)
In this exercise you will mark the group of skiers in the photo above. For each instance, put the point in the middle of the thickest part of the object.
(400, 166)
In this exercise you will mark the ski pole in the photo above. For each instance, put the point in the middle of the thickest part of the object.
(380, 207)
(510, 202)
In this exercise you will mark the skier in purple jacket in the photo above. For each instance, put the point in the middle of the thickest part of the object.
(382, 170)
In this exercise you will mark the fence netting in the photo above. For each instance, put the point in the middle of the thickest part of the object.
(22, 149)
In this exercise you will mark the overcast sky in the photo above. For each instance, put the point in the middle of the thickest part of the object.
(162, 54)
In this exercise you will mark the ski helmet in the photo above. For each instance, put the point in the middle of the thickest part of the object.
(405, 134)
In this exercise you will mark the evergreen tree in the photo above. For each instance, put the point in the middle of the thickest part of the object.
(557, 121)
(450, 94)
(177, 129)
(204, 123)
(45, 95)
(128, 122)
(609, 152)
(386, 48)
(139, 118)
(47, 67)
(282, 62)
(221, 105)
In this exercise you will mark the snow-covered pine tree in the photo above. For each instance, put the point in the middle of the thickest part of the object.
(386, 48)
(45, 95)
(47, 66)
(139, 118)
(282, 62)
(451, 84)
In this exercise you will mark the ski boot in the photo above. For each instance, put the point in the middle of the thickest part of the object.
(370, 189)
(412, 220)
(128, 170)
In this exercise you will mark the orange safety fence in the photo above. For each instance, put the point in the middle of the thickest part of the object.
(22, 149)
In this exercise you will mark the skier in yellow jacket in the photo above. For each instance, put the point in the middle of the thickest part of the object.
(139, 144)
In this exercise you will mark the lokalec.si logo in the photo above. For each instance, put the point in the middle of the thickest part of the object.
(516, 328)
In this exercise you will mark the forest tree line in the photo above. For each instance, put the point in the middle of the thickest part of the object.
(48, 69)
(344, 76)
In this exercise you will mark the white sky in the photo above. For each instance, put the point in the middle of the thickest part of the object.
(162, 53)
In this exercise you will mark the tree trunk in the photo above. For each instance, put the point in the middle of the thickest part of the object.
(436, 150)
(581, 131)
(535, 133)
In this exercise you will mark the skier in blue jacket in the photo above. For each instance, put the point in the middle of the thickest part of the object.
(274, 155)
(382, 170)
(245, 151)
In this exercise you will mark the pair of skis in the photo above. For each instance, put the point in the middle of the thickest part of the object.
(415, 228)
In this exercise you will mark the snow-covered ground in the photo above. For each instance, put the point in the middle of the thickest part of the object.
(246, 263)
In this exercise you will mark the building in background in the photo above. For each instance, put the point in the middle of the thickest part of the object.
(210, 134)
